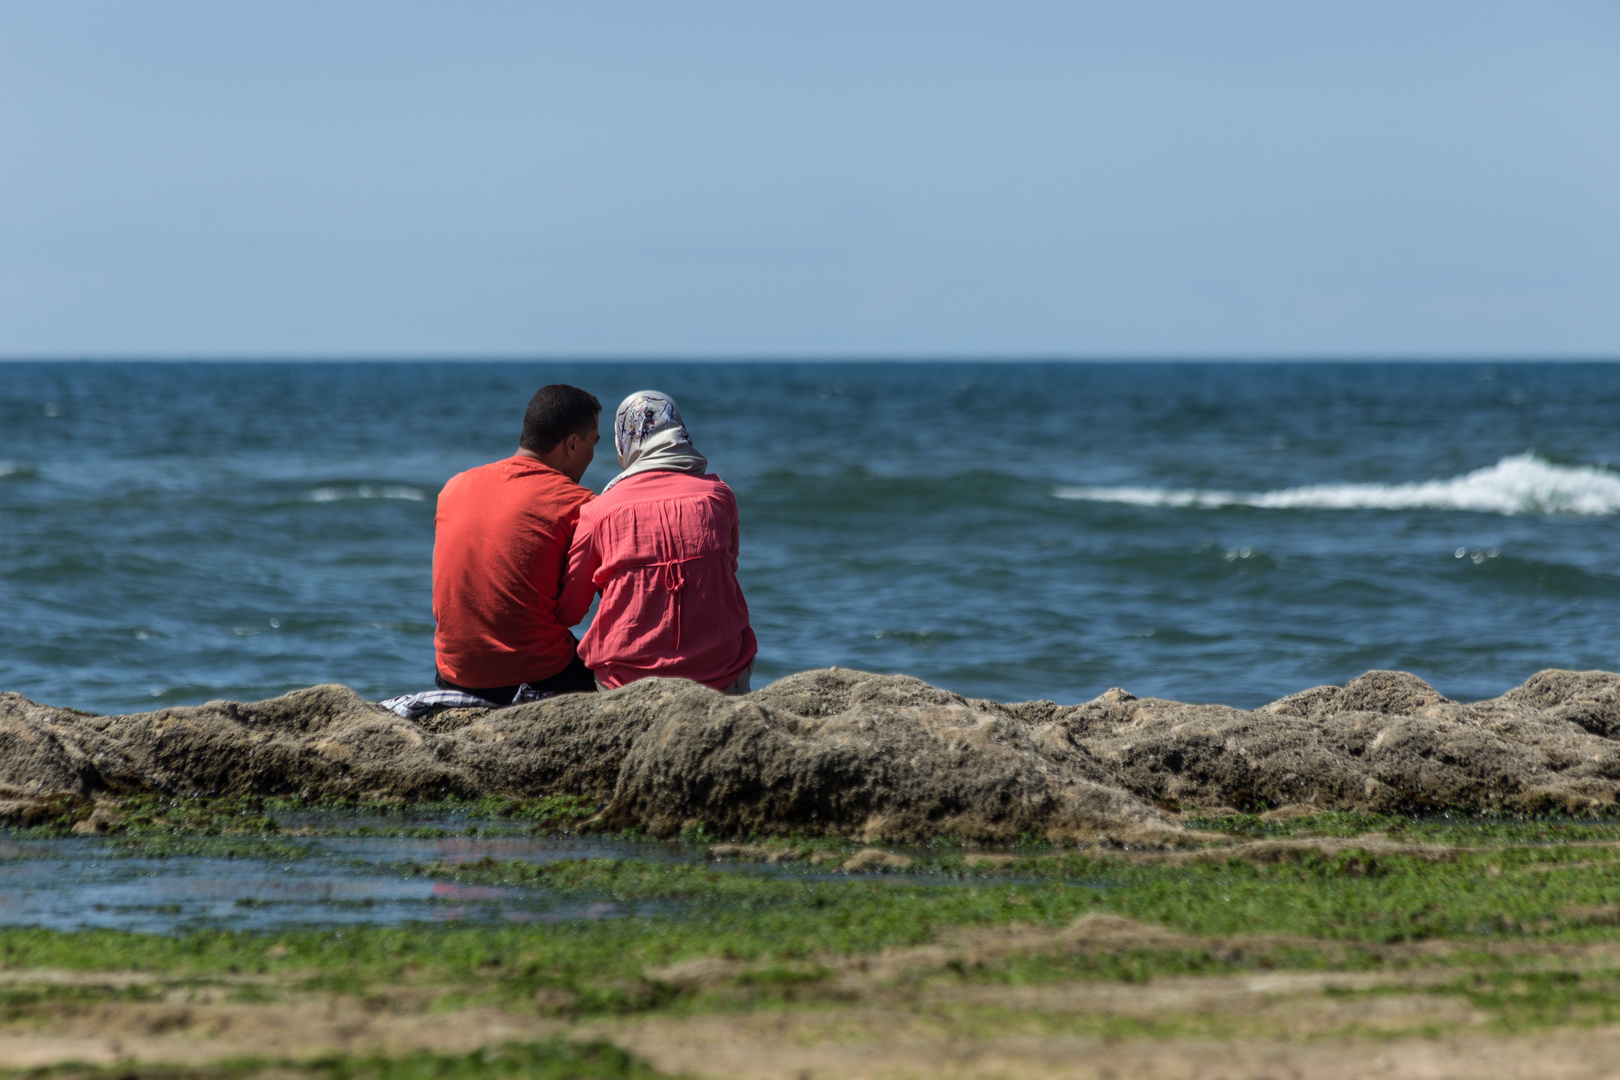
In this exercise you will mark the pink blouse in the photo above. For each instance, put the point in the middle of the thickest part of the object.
(661, 548)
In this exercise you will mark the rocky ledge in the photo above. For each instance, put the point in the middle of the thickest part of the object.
(861, 755)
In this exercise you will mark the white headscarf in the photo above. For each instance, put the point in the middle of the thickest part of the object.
(648, 434)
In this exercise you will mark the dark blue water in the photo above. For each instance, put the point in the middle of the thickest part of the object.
(171, 533)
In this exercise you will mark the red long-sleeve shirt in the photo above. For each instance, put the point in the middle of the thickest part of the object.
(500, 543)
(661, 547)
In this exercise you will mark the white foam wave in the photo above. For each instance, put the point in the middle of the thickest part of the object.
(1521, 484)
(8, 468)
(366, 491)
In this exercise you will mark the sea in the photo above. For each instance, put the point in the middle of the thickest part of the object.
(172, 533)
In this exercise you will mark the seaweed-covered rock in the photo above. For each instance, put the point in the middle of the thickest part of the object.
(863, 755)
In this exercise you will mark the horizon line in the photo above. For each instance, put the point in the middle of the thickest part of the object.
(805, 358)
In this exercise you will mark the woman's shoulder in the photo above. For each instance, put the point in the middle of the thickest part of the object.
(708, 486)
(636, 496)
(664, 484)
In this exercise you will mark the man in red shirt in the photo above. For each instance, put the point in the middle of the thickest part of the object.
(500, 545)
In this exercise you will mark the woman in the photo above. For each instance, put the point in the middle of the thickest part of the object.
(660, 544)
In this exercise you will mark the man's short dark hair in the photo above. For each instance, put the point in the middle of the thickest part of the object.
(556, 412)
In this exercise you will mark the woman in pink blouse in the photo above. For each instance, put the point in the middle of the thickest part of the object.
(660, 544)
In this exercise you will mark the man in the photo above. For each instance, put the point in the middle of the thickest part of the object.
(501, 539)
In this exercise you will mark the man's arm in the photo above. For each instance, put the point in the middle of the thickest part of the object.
(578, 584)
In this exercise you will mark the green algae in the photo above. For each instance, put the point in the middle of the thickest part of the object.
(1317, 912)
(786, 927)
(551, 1060)
(496, 814)
(29, 1001)
(1354, 897)
(146, 817)
(1445, 828)
(144, 821)
(1516, 1001)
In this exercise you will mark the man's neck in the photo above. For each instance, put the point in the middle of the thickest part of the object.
(550, 461)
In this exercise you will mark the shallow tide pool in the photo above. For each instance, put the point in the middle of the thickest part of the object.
(350, 871)
(74, 883)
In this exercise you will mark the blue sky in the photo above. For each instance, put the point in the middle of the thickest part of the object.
(837, 179)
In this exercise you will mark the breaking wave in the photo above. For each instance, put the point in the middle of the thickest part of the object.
(1521, 484)
(367, 491)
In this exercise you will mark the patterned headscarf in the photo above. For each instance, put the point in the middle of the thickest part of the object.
(648, 434)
